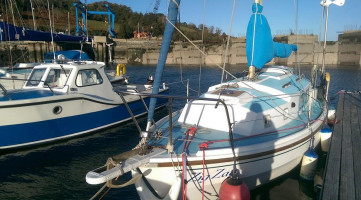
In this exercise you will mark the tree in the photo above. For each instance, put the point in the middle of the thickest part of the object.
(125, 31)
(218, 31)
(211, 29)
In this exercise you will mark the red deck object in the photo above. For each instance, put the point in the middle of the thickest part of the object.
(192, 130)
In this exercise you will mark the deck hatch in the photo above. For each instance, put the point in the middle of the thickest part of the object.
(230, 93)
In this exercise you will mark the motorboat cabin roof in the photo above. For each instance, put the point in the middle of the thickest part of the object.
(86, 77)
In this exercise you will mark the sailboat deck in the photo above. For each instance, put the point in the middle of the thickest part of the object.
(217, 139)
(343, 169)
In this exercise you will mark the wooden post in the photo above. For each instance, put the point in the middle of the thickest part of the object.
(103, 52)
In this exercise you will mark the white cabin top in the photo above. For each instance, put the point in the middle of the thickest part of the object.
(87, 77)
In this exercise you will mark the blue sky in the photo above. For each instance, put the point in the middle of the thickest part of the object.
(279, 13)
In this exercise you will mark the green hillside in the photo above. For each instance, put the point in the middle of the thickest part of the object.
(126, 21)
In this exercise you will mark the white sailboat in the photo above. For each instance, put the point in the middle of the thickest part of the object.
(256, 128)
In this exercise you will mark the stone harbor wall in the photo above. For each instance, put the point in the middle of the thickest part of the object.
(346, 51)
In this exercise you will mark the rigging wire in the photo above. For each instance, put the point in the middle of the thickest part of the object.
(176, 28)
(18, 12)
(12, 12)
(228, 39)
(23, 25)
(11, 7)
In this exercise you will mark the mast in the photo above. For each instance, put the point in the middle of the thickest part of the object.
(167, 37)
(32, 12)
(1, 31)
(252, 69)
(68, 25)
(52, 10)
(324, 44)
(51, 31)
(327, 3)
(86, 20)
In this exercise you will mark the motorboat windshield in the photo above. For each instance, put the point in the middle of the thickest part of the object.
(35, 77)
(57, 77)
(54, 77)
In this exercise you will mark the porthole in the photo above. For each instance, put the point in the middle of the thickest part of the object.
(57, 110)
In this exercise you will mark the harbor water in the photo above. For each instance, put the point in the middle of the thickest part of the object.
(57, 171)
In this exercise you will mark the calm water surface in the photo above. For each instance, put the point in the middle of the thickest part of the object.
(58, 171)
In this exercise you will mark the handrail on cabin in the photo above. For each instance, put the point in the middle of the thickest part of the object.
(170, 99)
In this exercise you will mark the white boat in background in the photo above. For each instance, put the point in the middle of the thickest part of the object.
(25, 65)
(66, 99)
(14, 77)
(254, 128)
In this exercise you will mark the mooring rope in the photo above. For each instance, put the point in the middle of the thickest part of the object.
(111, 163)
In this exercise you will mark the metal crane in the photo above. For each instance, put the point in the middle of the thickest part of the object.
(110, 13)
(156, 6)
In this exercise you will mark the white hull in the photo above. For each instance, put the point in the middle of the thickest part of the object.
(256, 171)
(273, 122)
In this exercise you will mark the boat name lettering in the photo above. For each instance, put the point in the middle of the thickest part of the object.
(220, 173)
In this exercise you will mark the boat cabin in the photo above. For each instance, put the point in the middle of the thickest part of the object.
(87, 77)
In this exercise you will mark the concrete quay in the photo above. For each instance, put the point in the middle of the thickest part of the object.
(345, 51)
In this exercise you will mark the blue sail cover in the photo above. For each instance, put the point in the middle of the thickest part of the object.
(9, 32)
(69, 55)
(260, 47)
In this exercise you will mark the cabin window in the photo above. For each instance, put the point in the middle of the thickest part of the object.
(88, 77)
(57, 78)
(35, 77)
